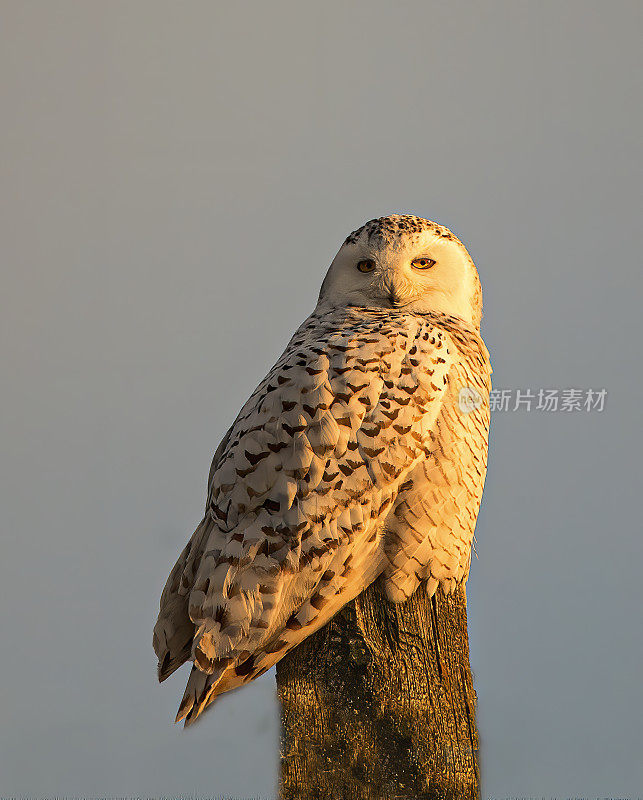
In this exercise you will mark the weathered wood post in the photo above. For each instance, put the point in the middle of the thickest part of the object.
(380, 704)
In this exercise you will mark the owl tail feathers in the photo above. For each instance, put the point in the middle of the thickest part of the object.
(175, 652)
(199, 693)
(173, 634)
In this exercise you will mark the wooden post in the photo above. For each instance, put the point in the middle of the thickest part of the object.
(380, 704)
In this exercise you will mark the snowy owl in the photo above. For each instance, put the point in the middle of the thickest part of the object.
(354, 458)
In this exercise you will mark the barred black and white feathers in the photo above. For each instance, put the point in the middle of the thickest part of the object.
(352, 459)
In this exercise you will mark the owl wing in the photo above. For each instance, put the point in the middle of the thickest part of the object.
(297, 501)
(174, 630)
(431, 528)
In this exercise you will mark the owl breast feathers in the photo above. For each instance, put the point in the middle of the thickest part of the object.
(352, 459)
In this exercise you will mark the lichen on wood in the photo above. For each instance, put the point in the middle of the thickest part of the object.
(379, 704)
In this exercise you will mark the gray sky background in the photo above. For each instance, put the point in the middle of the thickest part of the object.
(175, 179)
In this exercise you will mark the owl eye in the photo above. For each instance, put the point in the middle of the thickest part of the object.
(367, 265)
(422, 263)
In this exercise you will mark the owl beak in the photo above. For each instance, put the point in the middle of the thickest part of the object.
(395, 291)
(391, 293)
(396, 298)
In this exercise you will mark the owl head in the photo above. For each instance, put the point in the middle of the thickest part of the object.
(407, 263)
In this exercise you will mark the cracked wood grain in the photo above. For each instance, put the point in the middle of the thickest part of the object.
(380, 705)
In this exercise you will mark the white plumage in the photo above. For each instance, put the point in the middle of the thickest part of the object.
(352, 459)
